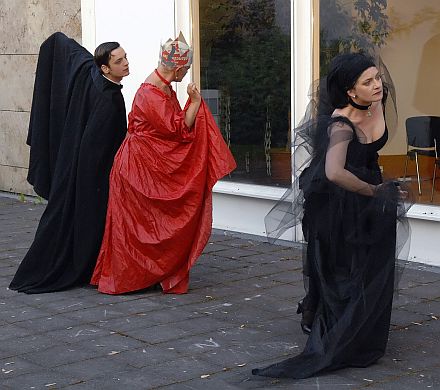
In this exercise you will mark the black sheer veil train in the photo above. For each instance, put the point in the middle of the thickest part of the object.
(352, 241)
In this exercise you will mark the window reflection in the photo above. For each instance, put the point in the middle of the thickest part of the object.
(405, 34)
(245, 79)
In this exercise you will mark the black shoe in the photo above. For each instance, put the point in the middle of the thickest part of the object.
(307, 318)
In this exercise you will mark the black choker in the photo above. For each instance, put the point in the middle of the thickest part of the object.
(360, 107)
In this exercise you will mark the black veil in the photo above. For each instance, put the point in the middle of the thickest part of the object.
(310, 140)
(353, 235)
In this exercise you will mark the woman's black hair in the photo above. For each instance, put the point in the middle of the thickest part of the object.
(345, 69)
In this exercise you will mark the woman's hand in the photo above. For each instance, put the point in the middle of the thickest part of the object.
(385, 187)
(401, 193)
(193, 93)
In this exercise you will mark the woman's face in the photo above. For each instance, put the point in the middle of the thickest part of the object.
(368, 87)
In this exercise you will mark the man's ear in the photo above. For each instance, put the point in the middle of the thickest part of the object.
(105, 69)
(176, 70)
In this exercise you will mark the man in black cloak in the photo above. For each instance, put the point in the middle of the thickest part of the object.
(77, 124)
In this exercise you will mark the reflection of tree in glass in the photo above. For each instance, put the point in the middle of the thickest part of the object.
(351, 26)
(247, 56)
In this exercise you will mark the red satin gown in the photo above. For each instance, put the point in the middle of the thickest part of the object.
(159, 213)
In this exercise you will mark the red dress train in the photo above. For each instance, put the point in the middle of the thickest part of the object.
(160, 204)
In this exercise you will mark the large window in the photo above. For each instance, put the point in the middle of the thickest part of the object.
(406, 36)
(245, 78)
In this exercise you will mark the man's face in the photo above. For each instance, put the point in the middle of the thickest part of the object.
(117, 67)
(181, 72)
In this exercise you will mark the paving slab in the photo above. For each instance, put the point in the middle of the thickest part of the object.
(240, 313)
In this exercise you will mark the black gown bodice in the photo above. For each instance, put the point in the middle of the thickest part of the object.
(362, 158)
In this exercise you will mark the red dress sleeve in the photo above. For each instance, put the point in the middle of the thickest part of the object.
(159, 215)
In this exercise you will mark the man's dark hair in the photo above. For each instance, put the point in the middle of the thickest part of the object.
(103, 53)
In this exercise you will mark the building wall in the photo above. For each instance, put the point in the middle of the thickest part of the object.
(139, 29)
(24, 25)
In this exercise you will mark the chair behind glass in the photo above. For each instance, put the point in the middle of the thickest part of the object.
(435, 127)
(420, 141)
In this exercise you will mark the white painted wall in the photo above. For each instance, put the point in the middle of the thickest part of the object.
(139, 26)
(242, 207)
(425, 232)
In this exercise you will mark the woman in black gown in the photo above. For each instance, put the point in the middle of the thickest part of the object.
(349, 223)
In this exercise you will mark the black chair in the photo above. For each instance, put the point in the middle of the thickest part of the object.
(420, 140)
(435, 126)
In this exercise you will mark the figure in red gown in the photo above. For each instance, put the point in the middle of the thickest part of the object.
(160, 204)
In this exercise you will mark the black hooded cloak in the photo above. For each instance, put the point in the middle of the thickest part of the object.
(77, 124)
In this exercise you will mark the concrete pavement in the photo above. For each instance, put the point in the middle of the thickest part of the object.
(239, 314)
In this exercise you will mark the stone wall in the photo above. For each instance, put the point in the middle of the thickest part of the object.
(24, 25)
